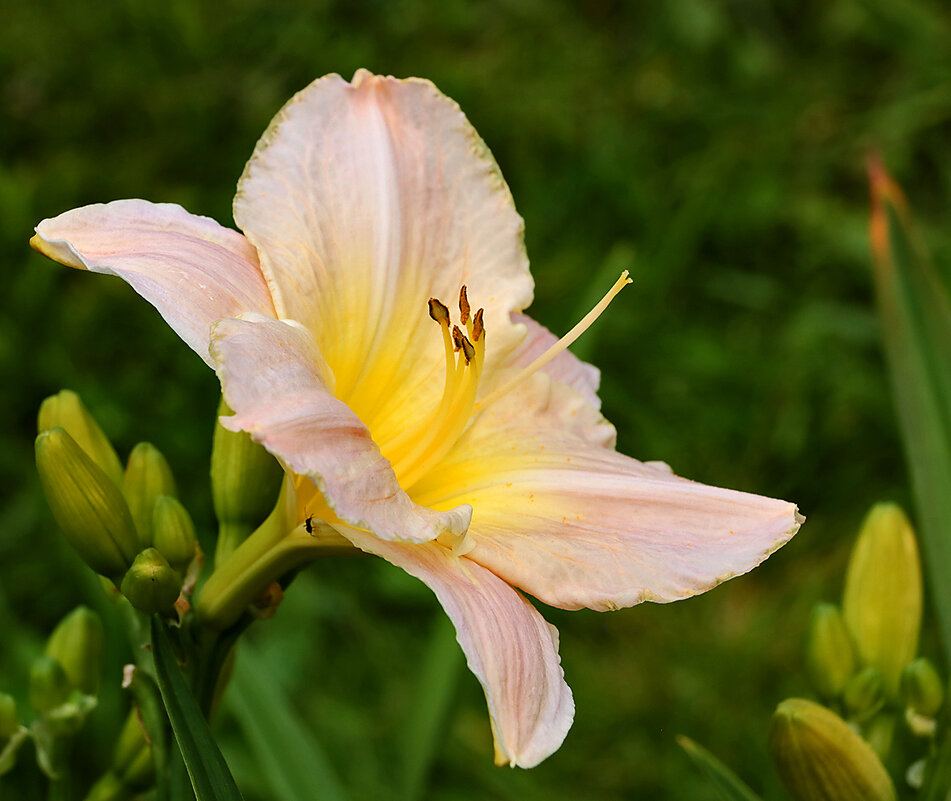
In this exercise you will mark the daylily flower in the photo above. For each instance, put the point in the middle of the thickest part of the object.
(462, 443)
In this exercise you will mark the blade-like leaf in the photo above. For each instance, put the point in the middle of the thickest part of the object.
(723, 781)
(430, 704)
(207, 769)
(915, 309)
(293, 763)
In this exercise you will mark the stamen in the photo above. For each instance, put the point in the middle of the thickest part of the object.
(464, 304)
(478, 329)
(438, 312)
(457, 337)
(467, 350)
(561, 345)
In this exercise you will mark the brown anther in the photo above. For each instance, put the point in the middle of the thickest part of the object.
(478, 329)
(467, 350)
(464, 304)
(439, 312)
(457, 337)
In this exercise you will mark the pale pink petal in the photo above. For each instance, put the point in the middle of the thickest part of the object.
(578, 525)
(565, 367)
(508, 645)
(190, 268)
(365, 199)
(272, 378)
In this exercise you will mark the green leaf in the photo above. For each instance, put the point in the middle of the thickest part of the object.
(915, 309)
(207, 769)
(293, 762)
(429, 709)
(723, 781)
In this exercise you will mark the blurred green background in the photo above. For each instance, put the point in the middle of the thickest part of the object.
(715, 148)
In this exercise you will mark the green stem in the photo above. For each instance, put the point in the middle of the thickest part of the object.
(61, 788)
(230, 537)
(263, 558)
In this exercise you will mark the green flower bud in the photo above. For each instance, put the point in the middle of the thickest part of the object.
(76, 643)
(830, 660)
(9, 722)
(882, 600)
(151, 585)
(65, 410)
(173, 533)
(879, 733)
(921, 688)
(245, 480)
(140, 774)
(88, 506)
(109, 788)
(863, 695)
(130, 742)
(49, 684)
(147, 475)
(820, 758)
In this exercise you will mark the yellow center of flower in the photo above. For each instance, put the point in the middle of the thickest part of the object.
(418, 448)
(415, 450)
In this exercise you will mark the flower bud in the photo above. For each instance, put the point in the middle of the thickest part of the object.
(863, 695)
(65, 410)
(109, 787)
(147, 475)
(830, 660)
(245, 480)
(921, 688)
(820, 758)
(882, 599)
(87, 506)
(173, 533)
(130, 742)
(49, 684)
(151, 585)
(76, 643)
(9, 722)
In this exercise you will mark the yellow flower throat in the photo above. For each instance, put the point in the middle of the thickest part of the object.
(416, 450)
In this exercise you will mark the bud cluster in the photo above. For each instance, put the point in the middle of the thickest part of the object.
(127, 525)
(861, 662)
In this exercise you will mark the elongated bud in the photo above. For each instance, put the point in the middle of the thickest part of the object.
(882, 599)
(9, 722)
(147, 475)
(87, 505)
(830, 659)
(132, 758)
(923, 694)
(49, 684)
(76, 643)
(173, 533)
(109, 787)
(151, 584)
(65, 410)
(245, 481)
(820, 758)
(863, 695)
